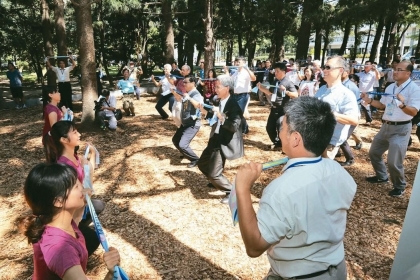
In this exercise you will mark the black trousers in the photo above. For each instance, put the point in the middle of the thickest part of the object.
(348, 154)
(212, 163)
(182, 139)
(66, 95)
(273, 125)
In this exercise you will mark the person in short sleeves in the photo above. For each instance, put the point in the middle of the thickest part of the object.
(166, 96)
(401, 104)
(15, 78)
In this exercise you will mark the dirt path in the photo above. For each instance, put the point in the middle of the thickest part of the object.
(162, 217)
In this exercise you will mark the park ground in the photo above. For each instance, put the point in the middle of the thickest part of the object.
(165, 221)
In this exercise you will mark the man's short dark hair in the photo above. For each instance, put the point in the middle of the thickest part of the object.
(105, 92)
(191, 78)
(280, 65)
(410, 67)
(313, 119)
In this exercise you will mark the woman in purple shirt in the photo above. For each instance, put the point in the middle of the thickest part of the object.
(55, 195)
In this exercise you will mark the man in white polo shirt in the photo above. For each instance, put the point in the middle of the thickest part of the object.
(302, 214)
(401, 104)
(242, 86)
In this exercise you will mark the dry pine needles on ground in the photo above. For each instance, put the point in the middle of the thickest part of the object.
(165, 221)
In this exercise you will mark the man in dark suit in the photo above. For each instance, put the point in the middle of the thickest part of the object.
(225, 138)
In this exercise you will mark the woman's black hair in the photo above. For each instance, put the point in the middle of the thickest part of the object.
(46, 90)
(45, 183)
(312, 75)
(214, 73)
(53, 147)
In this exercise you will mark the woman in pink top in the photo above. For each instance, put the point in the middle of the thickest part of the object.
(61, 145)
(52, 114)
(55, 196)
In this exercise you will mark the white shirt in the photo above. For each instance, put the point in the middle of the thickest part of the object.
(166, 86)
(63, 75)
(242, 81)
(390, 76)
(304, 217)
(293, 76)
(367, 81)
(411, 93)
(221, 108)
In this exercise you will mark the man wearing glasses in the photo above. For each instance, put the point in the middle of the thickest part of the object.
(368, 77)
(342, 101)
(401, 103)
(190, 123)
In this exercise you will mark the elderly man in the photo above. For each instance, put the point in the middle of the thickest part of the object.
(225, 138)
(190, 123)
(106, 112)
(302, 214)
(342, 101)
(166, 96)
(401, 104)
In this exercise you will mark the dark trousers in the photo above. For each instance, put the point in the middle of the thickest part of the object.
(212, 163)
(242, 99)
(345, 147)
(273, 126)
(66, 95)
(368, 114)
(182, 139)
(162, 101)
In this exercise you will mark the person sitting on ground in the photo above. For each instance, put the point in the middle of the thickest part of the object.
(166, 96)
(61, 147)
(55, 196)
(52, 114)
(16, 79)
(126, 85)
(106, 112)
(302, 214)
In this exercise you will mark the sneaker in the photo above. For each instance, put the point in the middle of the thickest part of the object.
(396, 192)
(17, 107)
(368, 123)
(192, 164)
(358, 146)
(24, 106)
(103, 127)
(347, 163)
(375, 179)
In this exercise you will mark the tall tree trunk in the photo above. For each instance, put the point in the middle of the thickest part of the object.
(229, 52)
(402, 34)
(318, 43)
(60, 28)
(378, 34)
(278, 54)
(199, 55)
(367, 42)
(391, 43)
(240, 33)
(304, 31)
(417, 53)
(347, 29)
(102, 44)
(169, 31)
(356, 42)
(46, 28)
(87, 59)
(382, 58)
(252, 46)
(326, 43)
(180, 41)
(210, 43)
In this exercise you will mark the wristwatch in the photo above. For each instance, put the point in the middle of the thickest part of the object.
(403, 106)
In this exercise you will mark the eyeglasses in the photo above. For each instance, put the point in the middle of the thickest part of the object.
(327, 67)
(400, 70)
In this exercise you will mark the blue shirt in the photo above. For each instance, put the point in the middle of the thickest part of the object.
(14, 77)
(343, 101)
(126, 86)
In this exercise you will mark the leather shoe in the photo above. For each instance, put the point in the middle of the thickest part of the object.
(358, 146)
(210, 185)
(347, 163)
(375, 179)
(225, 200)
(192, 164)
